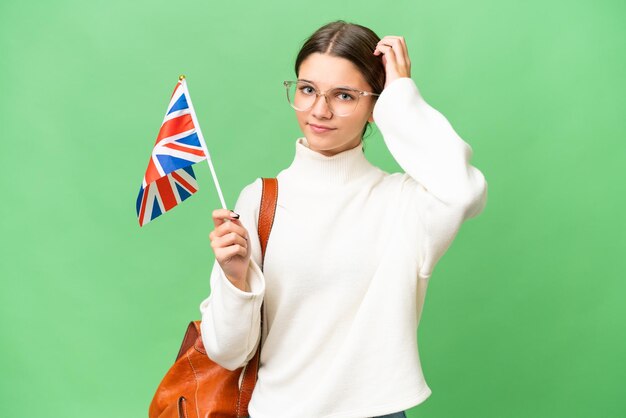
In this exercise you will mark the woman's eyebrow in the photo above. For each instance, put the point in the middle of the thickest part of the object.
(335, 87)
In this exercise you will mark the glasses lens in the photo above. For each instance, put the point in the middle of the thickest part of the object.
(301, 96)
(343, 101)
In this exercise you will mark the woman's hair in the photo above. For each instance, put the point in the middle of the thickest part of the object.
(353, 42)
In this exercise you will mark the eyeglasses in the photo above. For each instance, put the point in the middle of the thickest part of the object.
(341, 101)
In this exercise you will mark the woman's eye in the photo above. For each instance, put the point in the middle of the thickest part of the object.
(307, 89)
(345, 96)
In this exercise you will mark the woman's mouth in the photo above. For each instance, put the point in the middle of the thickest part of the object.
(318, 129)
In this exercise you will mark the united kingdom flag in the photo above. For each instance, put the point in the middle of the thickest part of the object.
(169, 178)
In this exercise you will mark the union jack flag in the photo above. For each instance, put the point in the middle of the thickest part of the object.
(169, 178)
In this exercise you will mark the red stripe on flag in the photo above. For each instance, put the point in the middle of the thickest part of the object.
(175, 126)
(197, 152)
(142, 211)
(175, 88)
(166, 193)
(184, 182)
(152, 174)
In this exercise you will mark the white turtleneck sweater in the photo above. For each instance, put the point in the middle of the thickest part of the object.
(346, 270)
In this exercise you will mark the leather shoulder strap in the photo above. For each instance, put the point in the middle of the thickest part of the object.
(191, 336)
(267, 212)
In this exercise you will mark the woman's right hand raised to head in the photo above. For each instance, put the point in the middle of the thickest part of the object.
(229, 241)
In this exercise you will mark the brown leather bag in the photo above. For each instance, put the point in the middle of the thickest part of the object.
(197, 387)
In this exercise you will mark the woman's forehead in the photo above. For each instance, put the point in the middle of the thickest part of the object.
(326, 71)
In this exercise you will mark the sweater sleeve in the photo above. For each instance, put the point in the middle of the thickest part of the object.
(442, 187)
(231, 318)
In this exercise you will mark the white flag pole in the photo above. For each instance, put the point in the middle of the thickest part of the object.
(201, 137)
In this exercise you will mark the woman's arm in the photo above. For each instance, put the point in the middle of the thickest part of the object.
(427, 147)
(231, 317)
(445, 189)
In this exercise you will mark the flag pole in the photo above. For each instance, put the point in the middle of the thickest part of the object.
(201, 137)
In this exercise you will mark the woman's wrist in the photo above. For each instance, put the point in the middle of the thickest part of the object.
(241, 284)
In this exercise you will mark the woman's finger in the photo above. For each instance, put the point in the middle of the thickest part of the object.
(402, 42)
(398, 50)
(223, 215)
(229, 239)
(399, 67)
(405, 50)
(401, 51)
(226, 253)
(232, 226)
(389, 59)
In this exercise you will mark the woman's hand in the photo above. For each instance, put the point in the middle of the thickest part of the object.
(229, 241)
(395, 58)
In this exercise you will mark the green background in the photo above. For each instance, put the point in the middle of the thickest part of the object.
(525, 313)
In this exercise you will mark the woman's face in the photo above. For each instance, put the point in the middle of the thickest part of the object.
(326, 72)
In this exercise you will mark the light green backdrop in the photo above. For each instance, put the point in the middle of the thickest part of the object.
(525, 313)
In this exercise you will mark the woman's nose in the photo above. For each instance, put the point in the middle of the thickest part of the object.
(321, 108)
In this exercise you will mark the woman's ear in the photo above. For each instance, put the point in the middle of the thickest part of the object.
(371, 117)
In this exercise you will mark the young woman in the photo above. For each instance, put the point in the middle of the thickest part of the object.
(352, 247)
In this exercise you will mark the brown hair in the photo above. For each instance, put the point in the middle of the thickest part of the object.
(353, 42)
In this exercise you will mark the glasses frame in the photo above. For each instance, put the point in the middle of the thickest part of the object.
(318, 93)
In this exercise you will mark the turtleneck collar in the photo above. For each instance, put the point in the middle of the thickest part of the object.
(312, 169)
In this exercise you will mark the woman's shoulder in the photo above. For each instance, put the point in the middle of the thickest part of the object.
(253, 187)
(249, 200)
(250, 196)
